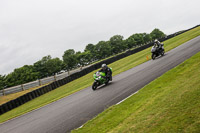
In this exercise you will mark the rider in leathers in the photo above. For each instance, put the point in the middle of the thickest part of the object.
(158, 45)
(107, 71)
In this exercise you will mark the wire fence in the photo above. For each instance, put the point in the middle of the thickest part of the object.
(36, 83)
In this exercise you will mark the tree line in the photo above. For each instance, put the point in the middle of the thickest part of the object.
(71, 59)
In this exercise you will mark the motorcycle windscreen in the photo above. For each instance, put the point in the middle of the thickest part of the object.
(153, 49)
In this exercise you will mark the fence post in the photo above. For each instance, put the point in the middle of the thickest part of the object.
(22, 87)
(54, 77)
(39, 82)
(3, 91)
(68, 73)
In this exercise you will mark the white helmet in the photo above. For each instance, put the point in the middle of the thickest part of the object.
(104, 66)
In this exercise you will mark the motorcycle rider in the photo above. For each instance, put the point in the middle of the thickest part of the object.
(158, 45)
(107, 71)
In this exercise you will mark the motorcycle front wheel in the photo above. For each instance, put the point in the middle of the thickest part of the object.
(94, 86)
(153, 56)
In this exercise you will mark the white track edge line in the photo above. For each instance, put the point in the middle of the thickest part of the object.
(126, 98)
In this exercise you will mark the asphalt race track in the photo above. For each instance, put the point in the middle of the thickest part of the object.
(73, 111)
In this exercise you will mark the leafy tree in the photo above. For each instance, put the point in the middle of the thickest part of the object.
(116, 43)
(2, 82)
(54, 66)
(83, 58)
(156, 34)
(138, 37)
(103, 50)
(130, 42)
(69, 59)
(48, 66)
(79, 60)
(41, 66)
(91, 49)
(147, 38)
(21, 75)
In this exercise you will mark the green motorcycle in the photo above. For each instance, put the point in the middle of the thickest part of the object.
(100, 78)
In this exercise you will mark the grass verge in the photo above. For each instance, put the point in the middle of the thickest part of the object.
(86, 81)
(168, 104)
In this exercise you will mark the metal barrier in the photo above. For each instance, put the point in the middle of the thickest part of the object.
(36, 83)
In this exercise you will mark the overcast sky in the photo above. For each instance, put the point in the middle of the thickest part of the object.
(32, 29)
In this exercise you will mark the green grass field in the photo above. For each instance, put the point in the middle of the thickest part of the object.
(169, 104)
(87, 80)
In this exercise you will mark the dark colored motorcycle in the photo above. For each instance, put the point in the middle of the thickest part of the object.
(157, 52)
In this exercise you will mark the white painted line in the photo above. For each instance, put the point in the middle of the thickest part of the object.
(80, 127)
(86, 122)
(116, 104)
(127, 98)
